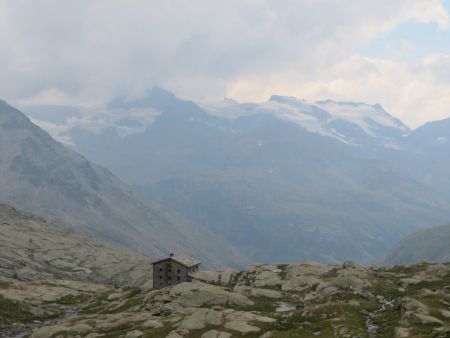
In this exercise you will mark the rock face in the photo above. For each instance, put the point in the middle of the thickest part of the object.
(40, 175)
(305, 299)
(32, 249)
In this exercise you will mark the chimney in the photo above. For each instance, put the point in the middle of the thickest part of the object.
(171, 254)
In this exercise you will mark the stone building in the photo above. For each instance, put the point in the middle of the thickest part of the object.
(173, 270)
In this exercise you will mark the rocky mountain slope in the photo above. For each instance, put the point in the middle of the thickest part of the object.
(303, 299)
(34, 249)
(40, 175)
(280, 180)
(432, 245)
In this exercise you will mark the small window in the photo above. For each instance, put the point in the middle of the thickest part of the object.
(169, 278)
(178, 270)
(160, 283)
(170, 270)
(160, 269)
(178, 278)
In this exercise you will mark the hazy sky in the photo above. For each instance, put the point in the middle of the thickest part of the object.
(85, 52)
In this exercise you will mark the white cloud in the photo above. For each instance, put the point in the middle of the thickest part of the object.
(89, 51)
(416, 92)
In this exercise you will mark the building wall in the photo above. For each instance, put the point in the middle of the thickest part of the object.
(169, 272)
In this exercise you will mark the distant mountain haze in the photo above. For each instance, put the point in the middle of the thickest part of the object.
(432, 245)
(40, 175)
(281, 180)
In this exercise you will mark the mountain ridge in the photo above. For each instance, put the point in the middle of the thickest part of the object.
(34, 249)
(431, 245)
(46, 178)
(256, 178)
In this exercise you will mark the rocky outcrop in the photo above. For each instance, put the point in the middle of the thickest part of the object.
(303, 299)
(34, 249)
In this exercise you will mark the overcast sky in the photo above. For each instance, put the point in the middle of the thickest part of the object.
(85, 52)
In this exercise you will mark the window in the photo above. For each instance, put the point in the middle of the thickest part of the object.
(178, 270)
(160, 283)
(160, 269)
(160, 276)
(169, 278)
(178, 278)
(170, 270)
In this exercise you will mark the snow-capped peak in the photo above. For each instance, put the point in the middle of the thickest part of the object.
(367, 117)
(347, 121)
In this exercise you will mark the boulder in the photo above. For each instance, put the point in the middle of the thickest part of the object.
(410, 305)
(231, 315)
(150, 324)
(49, 331)
(114, 296)
(241, 326)
(174, 334)
(202, 318)
(216, 334)
(349, 282)
(196, 295)
(445, 313)
(81, 329)
(304, 275)
(419, 318)
(134, 334)
(267, 279)
(401, 332)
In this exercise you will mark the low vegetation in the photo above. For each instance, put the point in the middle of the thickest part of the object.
(278, 301)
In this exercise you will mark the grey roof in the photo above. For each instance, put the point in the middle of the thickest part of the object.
(184, 260)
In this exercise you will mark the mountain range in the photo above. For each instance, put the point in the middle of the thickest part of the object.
(42, 176)
(280, 180)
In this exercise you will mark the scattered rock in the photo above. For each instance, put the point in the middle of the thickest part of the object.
(202, 318)
(401, 332)
(445, 313)
(267, 279)
(134, 334)
(81, 329)
(150, 324)
(216, 334)
(174, 334)
(411, 305)
(241, 326)
(419, 318)
(49, 331)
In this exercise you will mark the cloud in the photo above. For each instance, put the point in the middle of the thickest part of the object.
(90, 51)
(416, 91)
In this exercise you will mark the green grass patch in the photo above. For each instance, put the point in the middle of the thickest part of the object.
(72, 299)
(160, 332)
(129, 304)
(12, 311)
(96, 305)
(118, 331)
(5, 285)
